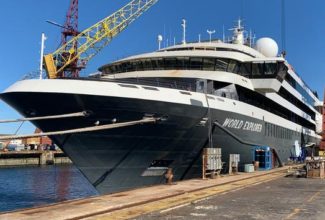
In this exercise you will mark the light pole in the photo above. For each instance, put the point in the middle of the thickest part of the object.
(210, 34)
(184, 31)
(159, 39)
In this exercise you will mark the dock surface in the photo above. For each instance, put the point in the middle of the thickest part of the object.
(283, 198)
(134, 203)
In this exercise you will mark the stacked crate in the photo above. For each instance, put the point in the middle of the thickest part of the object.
(263, 155)
(211, 161)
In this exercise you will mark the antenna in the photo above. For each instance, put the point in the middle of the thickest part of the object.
(254, 37)
(210, 34)
(199, 38)
(174, 41)
(164, 36)
(42, 54)
(239, 23)
(283, 25)
(159, 39)
(250, 37)
(223, 33)
(184, 31)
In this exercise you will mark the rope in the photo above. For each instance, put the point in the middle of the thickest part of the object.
(81, 130)
(77, 114)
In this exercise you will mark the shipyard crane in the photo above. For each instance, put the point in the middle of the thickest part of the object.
(92, 40)
(69, 31)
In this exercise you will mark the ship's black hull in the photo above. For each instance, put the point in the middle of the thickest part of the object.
(117, 159)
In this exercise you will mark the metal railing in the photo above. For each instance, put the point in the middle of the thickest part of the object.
(156, 82)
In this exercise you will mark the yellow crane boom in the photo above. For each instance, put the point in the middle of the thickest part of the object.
(90, 41)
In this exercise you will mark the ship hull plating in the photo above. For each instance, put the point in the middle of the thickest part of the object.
(129, 157)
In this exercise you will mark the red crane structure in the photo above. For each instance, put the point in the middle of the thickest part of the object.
(69, 31)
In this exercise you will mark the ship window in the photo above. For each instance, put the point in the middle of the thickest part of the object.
(245, 69)
(150, 88)
(261, 101)
(160, 63)
(221, 65)
(147, 64)
(128, 86)
(185, 93)
(232, 66)
(186, 62)
(282, 70)
(208, 64)
(270, 68)
(182, 62)
(196, 63)
(138, 65)
(170, 63)
(265, 130)
(257, 69)
(201, 86)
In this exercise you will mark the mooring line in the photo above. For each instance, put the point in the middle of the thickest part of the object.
(81, 130)
(70, 115)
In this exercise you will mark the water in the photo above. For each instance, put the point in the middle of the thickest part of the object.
(25, 187)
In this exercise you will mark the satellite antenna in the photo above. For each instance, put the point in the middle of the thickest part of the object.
(184, 31)
(159, 39)
(210, 34)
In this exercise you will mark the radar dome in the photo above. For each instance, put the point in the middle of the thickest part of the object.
(267, 46)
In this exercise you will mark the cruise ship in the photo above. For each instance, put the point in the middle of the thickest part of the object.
(231, 95)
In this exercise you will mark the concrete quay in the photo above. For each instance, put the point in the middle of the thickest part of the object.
(282, 198)
(22, 158)
(140, 202)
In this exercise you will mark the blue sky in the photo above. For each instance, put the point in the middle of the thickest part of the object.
(22, 23)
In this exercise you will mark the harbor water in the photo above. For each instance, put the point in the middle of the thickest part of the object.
(26, 187)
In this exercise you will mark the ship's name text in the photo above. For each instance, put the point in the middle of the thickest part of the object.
(244, 125)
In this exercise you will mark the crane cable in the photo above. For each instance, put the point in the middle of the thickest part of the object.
(81, 130)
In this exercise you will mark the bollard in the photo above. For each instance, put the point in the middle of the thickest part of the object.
(169, 176)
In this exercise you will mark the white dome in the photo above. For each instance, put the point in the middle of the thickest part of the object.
(267, 46)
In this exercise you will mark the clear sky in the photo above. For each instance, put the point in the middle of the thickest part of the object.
(22, 23)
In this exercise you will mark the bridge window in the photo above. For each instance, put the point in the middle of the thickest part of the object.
(245, 69)
(257, 69)
(270, 68)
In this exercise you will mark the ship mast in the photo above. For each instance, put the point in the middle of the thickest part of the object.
(238, 31)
